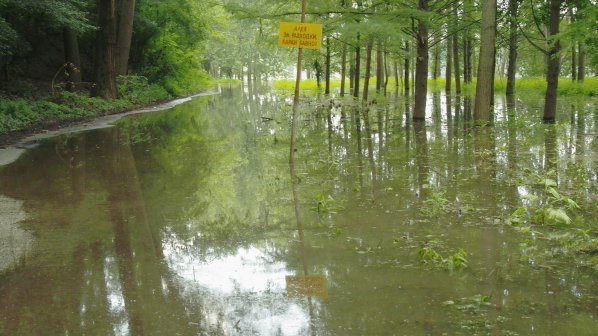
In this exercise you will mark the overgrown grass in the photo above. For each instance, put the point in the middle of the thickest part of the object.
(522, 85)
(19, 114)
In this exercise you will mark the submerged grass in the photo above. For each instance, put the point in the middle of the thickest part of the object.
(533, 84)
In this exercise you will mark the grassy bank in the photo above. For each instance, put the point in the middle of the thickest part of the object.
(523, 85)
(38, 111)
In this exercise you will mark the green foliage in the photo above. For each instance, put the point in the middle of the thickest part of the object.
(436, 204)
(454, 262)
(19, 114)
(325, 204)
(175, 33)
(8, 38)
(548, 206)
(138, 90)
(17, 32)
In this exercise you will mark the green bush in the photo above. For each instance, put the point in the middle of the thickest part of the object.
(137, 90)
(18, 114)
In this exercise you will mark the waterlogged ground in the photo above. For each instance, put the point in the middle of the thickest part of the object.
(183, 222)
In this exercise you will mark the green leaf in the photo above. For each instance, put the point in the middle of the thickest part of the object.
(557, 215)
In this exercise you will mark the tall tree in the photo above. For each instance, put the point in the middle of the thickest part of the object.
(552, 73)
(421, 66)
(72, 58)
(125, 33)
(449, 64)
(483, 98)
(343, 69)
(357, 65)
(368, 67)
(455, 37)
(436, 63)
(581, 63)
(105, 67)
(512, 66)
(327, 73)
(407, 69)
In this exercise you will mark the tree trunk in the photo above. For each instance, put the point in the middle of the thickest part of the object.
(318, 69)
(406, 69)
(552, 73)
(385, 70)
(327, 75)
(379, 63)
(573, 63)
(368, 66)
(512, 67)
(421, 67)
(436, 65)
(72, 58)
(357, 64)
(3, 72)
(343, 69)
(105, 65)
(351, 72)
(581, 65)
(456, 56)
(483, 98)
(396, 68)
(467, 59)
(125, 33)
(449, 65)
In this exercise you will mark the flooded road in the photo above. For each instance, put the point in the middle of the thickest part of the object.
(182, 222)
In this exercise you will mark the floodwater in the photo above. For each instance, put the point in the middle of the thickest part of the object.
(183, 222)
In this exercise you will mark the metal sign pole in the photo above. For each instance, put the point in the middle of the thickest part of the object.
(296, 96)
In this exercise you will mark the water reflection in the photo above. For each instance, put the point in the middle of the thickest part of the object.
(184, 222)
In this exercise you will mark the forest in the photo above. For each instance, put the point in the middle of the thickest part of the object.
(430, 169)
(57, 56)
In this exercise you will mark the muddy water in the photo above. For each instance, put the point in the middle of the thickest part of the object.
(182, 222)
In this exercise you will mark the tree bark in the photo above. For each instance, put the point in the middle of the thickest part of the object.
(396, 69)
(351, 72)
(552, 73)
(421, 67)
(368, 66)
(573, 63)
(483, 98)
(318, 69)
(467, 53)
(379, 63)
(581, 64)
(327, 75)
(406, 69)
(436, 65)
(343, 69)
(385, 70)
(456, 54)
(512, 66)
(125, 34)
(72, 58)
(105, 65)
(449, 65)
(357, 64)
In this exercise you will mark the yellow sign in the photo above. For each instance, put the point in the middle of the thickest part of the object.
(307, 285)
(300, 35)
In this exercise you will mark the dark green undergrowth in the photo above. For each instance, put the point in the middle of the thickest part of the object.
(22, 113)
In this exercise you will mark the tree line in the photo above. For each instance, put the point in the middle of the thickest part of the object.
(177, 43)
(92, 42)
(474, 41)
